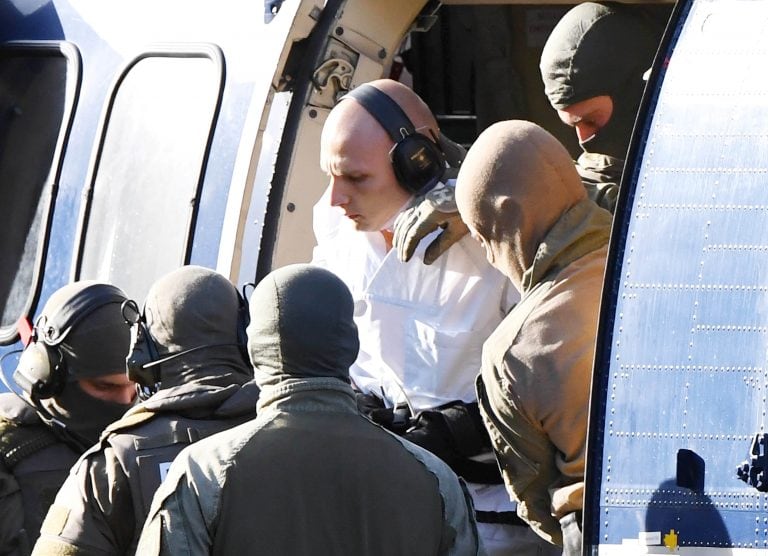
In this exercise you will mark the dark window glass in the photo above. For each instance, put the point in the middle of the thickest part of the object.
(150, 164)
(34, 103)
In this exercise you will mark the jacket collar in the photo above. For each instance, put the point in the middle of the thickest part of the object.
(308, 394)
(581, 229)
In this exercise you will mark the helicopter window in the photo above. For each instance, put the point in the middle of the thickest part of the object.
(38, 84)
(149, 167)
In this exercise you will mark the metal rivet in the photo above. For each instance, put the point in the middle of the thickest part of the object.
(290, 207)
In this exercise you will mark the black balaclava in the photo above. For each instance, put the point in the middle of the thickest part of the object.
(301, 326)
(595, 50)
(192, 307)
(95, 346)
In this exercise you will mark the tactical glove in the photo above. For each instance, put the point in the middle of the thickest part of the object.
(436, 209)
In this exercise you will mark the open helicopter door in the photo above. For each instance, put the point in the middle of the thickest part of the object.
(677, 449)
(352, 42)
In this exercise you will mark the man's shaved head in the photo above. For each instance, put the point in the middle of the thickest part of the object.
(354, 152)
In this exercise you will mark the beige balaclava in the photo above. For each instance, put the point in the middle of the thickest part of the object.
(515, 183)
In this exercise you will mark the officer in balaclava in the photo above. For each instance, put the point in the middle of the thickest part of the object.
(74, 384)
(592, 66)
(188, 354)
(311, 474)
(524, 202)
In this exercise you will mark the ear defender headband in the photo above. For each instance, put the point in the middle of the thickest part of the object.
(143, 362)
(42, 370)
(417, 160)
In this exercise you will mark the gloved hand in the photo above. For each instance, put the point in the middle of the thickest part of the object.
(394, 419)
(431, 432)
(373, 407)
(436, 209)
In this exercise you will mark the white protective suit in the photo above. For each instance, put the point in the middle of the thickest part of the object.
(421, 327)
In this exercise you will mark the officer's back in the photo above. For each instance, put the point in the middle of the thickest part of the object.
(309, 475)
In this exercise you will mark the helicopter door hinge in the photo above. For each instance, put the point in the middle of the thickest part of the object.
(331, 79)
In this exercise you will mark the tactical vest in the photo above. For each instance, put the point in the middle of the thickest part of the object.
(146, 443)
(33, 465)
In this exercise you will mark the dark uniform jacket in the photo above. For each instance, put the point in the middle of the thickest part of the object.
(34, 463)
(102, 505)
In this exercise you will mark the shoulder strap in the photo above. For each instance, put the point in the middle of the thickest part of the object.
(19, 442)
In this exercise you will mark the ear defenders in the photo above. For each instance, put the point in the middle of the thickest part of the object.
(42, 370)
(143, 362)
(417, 160)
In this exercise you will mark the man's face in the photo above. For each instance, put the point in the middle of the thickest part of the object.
(587, 116)
(354, 152)
(114, 388)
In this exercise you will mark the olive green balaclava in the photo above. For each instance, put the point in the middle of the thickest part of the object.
(301, 326)
(95, 345)
(515, 183)
(595, 50)
(192, 307)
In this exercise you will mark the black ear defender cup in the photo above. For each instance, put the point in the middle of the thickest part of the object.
(142, 352)
(42, 370)
(417, 160)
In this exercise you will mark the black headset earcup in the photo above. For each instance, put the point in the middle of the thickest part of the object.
(41, 371)
(142, 352)
(418, 162)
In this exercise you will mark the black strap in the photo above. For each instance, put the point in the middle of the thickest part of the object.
(17, 443)
(385, 110)
(503, 518)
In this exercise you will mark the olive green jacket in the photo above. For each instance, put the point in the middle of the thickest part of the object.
(309, 476)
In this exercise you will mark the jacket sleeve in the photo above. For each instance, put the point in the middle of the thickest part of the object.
(93, 512)
(460, 537)
(183, 512)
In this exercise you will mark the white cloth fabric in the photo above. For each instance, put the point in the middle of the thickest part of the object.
(421, 327)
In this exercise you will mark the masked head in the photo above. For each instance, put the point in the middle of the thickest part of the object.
(196, 314)
(303, 326)
(592, 66)
(75, 367)
(355, 153)
(515, 183)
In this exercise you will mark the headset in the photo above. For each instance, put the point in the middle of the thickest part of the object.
(42, 370)
(143, 362)
(418, 161)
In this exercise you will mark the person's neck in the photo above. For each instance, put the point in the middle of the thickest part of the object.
(388, 238)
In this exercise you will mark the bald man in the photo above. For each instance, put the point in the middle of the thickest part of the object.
(421, 327)
(523, 200)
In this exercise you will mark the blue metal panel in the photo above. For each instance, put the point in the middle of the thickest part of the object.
(681, 361)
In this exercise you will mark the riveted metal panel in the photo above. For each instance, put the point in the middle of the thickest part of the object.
(681, 367)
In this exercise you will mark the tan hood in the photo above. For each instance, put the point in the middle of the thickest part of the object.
(514, 184)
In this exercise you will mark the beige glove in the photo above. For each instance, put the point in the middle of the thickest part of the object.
(436, 209)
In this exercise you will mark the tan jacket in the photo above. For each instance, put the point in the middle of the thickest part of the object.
(537, 367)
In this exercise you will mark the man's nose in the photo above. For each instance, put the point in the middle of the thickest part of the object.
(127, 395)
(339, 196)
